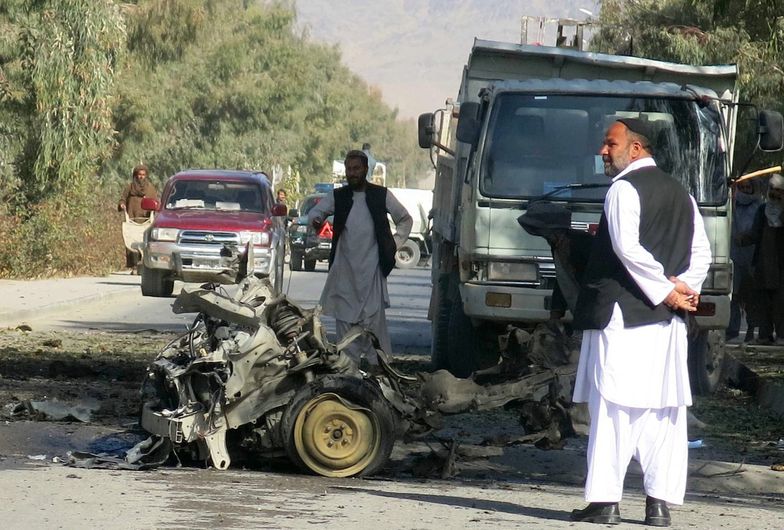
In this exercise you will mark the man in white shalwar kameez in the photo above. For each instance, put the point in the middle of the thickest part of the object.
(355, 292)
(635, 377)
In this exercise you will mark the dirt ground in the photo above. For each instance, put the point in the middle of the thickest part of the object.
(104, 371)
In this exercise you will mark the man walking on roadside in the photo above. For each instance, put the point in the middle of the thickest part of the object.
(362, 256)
(648, 262)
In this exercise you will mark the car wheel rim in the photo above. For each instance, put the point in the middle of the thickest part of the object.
(336, 438)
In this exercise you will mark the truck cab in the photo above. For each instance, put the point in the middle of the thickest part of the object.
(528, 124)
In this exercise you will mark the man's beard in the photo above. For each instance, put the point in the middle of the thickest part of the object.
(618, 164)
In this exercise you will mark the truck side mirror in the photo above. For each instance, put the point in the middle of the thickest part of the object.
(293, 213)
(427, 130)
(150, 204)
(771, 131)
(278, 210)
(468, 125)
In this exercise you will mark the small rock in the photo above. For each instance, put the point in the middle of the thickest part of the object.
(777, 467)
(53, 343)
(24, 327)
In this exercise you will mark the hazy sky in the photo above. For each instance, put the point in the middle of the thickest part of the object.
(414, 50)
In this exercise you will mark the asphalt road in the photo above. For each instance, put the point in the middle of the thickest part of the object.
(518, 487)
(409, 292)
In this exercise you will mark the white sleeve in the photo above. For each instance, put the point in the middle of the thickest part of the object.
(700, 253)
(324, 208)
(622, 208)
(401, 218)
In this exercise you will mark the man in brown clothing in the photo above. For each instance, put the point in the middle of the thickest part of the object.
(131, 203)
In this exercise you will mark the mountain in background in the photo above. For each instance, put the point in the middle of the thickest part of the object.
(414, 50)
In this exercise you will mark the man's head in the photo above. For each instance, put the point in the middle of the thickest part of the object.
(776, 188)
(356, 169)
(626, 141)
(140, 172)
(281, 195)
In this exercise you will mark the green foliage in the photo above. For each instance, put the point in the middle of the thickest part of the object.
(702, 32)
(94, 87)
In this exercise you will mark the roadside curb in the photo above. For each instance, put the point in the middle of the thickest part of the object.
(14, 318)
(766, 393)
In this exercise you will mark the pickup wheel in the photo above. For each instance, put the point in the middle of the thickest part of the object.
(339, 426)
(469, 348)
(295, 263)
(155, 283)
(408, 255)
(310, 264)
(706, 361)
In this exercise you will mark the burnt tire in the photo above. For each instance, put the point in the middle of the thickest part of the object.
(706, 361)
(338, 426)
(155, 283)
(295, 262)
(469, 348)
(310, 264)
(408, 255)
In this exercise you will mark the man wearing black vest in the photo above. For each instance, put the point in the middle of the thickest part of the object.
(646, 267)
(362, 256)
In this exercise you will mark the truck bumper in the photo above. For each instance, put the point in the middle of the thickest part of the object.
(195, 263)
(489, 302)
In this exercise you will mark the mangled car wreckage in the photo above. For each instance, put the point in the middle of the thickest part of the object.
(255, 373)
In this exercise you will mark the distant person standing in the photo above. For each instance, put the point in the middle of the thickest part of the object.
(362, 256)
(768, 262)
(131, 203)
(281, 198)
(746, 204)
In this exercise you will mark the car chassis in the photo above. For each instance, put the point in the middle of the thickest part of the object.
(256, 372)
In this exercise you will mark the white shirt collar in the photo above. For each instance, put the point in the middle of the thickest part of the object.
(648, 161)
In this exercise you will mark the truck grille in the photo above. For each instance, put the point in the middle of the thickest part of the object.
(199, 237)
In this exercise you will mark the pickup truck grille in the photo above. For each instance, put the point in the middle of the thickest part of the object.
(199, 237)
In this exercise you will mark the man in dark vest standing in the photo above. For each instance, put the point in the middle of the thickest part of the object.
(363, 254)
(647, 265)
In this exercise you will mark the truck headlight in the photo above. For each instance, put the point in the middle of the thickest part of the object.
(257, 238)
(164, 234)
(514, 272)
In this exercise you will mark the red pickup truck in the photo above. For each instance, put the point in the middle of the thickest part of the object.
(205, 220)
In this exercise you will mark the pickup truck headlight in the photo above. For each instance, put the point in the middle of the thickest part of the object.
(164, 234)
(512, 272)
(258, 238)
(301, 229)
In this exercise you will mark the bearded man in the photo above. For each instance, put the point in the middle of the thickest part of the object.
(647, 265)
(131, 203)
(362, 255)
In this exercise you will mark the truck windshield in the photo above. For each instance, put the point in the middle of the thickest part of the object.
(537, 143)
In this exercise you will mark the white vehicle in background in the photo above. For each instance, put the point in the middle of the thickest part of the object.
(418, 203)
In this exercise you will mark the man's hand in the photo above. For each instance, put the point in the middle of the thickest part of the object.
(682, 296)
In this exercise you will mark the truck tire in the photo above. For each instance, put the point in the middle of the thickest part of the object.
(155, 283)
(706, 361)
(469, 348)
(441, 310)
(408, 255)
(296, 261)
(310, 264)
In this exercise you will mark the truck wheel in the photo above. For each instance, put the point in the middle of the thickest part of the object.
(339, 426)
(706, 361)
(296, 261)
(469, 348)
(310, 264)
(441, 310)
(408, 255)
(155, 283)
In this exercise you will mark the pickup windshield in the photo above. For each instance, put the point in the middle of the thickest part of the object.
(215, 195)
(537, 143)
